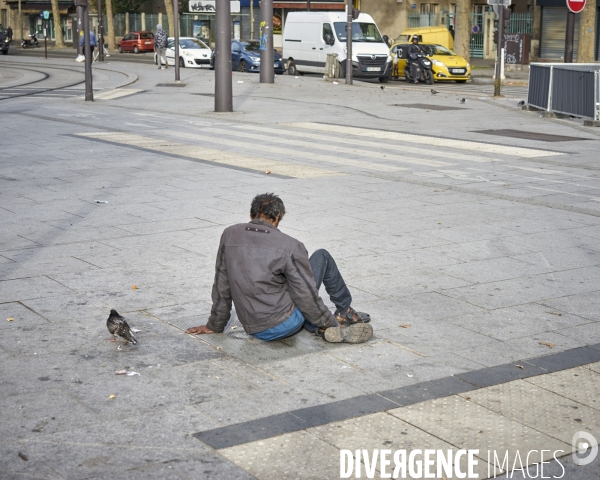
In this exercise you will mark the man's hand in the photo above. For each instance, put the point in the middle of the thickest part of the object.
(202, 329)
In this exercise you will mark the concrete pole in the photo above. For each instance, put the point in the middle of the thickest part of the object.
(349, 8)
(267, 73)
(535, 37)
(587, 27)
(100, 38)
(500, 54)
(569, 38)
(223, 75)
(176, 36)
(251, 19)
(20, 21)
(89, 93)
(462, 40)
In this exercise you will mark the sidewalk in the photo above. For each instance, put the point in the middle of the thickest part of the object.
(468, 231)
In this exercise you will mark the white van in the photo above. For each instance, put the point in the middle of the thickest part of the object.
(309, 36)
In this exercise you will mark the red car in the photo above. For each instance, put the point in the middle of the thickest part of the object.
(137, 42)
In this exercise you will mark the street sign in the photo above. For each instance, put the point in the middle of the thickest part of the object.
(576, 6)
(46, 14)
(475, 29)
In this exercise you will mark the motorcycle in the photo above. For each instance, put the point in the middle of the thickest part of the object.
(30, 43)
(424, 72)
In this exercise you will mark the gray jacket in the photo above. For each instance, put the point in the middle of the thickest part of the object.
(266, 274)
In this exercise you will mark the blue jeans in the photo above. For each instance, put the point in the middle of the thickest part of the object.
(292, 325)
(326, 273)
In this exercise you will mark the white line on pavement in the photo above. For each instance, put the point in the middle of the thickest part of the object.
(364, 143)
(434, 141)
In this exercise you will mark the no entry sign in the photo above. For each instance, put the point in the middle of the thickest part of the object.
(576, 6)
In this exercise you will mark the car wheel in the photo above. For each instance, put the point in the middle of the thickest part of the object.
(384, 79)
(428, 77)
(461, 81)
(136, 50)
(242, 67)
(120, 49)
(181, 62)
(5, 52)
(292, 70)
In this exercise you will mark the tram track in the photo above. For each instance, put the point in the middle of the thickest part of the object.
(46, 77)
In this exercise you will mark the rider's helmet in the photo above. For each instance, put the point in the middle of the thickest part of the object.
(415, 38)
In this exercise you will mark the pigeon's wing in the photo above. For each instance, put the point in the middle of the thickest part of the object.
(125, 332)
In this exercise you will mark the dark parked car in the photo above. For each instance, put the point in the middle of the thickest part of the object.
(137, 42)
(4, 43)
(245, 57)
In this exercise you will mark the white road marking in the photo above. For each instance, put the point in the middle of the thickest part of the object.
(116, 93)
(313, 157)
(566, 193)
(250, 162)
(433, 141)
(365, 143)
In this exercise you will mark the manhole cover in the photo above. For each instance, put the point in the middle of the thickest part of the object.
(424, 106)
(170, 84)
(237, 343)
(542, 137)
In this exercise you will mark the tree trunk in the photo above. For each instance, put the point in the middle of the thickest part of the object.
(462, 38)
(169, 9)
(112, 43)
(60, 43)
(587, 24)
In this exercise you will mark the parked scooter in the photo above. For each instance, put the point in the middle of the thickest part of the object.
(30, 42)
(424, 72)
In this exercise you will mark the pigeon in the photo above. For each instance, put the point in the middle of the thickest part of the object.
(118, 326)
(521, 103)
(382, 87)
(434, 92)
(462, 100)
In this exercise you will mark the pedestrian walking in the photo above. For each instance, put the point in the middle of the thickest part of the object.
(104, 50)
(451, 28)
(93, 43)
(160, 46)
(9, 34)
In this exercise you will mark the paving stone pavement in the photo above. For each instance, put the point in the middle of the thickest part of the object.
(470, 251)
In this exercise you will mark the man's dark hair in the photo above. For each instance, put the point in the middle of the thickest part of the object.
(268, 205)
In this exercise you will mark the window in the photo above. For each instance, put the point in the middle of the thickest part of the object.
(147, 36)
(361, 32)
(327, 30)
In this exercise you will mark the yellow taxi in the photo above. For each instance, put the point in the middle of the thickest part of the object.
(446, 65)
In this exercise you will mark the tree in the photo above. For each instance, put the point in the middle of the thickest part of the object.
(587, 23)
(112, 43)
(169, 9)
(462, 39)
(60, 43)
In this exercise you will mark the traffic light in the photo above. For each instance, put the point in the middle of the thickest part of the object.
(496, 36)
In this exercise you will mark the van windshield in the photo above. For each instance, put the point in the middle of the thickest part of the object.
(361, 32)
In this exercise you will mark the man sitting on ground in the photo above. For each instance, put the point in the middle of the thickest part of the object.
(275, 286)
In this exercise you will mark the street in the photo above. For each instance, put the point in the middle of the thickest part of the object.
(469, 231)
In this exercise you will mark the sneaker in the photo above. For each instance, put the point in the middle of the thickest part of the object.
(356, 333)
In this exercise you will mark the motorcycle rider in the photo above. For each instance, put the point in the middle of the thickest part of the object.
(414, 49)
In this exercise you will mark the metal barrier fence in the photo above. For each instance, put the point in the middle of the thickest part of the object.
(568, 88)
(424, 20)
(520, 23)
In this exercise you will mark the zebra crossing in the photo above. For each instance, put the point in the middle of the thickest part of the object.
(314, 150)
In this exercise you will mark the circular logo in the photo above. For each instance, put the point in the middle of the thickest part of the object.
(582, 441)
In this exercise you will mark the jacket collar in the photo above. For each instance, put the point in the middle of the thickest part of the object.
(259, 221)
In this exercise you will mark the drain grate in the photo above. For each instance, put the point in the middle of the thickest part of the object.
(542, 137)
(170, 84)
(237, 343)
(425, 106)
